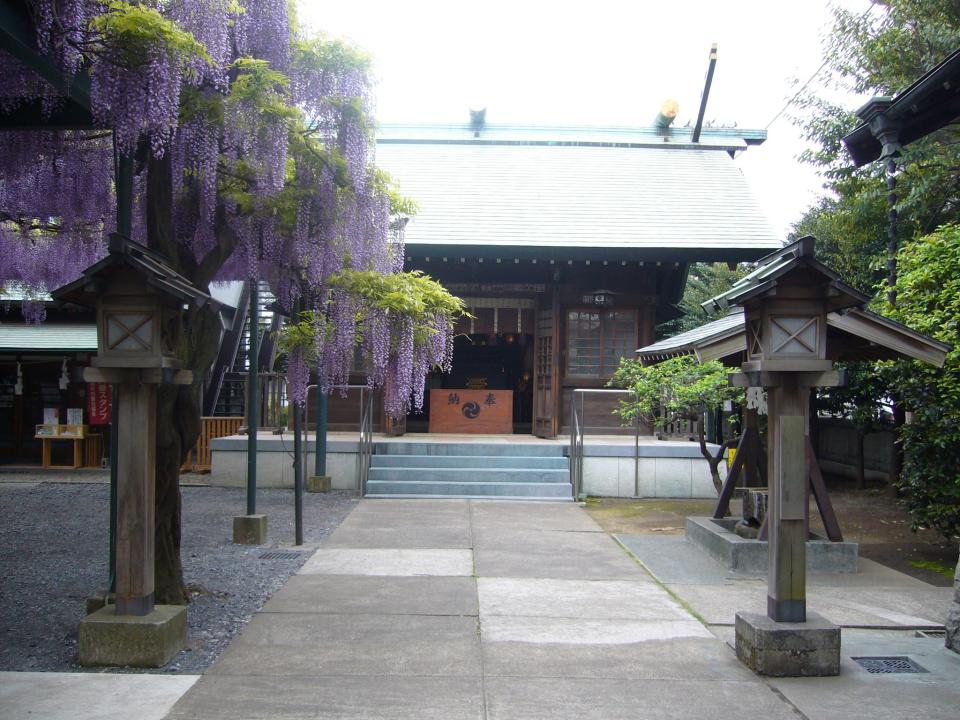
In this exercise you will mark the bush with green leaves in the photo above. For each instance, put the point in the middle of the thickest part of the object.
(928, 300)
(677, 389)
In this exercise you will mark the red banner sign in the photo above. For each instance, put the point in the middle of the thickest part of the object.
(99, 403)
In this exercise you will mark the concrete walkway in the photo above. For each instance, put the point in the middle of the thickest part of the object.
(449, 609)
(89, 696)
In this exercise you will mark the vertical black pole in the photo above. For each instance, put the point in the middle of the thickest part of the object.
(123, 181)
(297, 472)
(253, 395)
(320, 449)
(892, 230)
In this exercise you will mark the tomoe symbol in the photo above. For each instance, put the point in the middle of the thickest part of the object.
(470, 410)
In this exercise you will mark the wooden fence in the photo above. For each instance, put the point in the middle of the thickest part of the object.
(200, 459)
(680, 429)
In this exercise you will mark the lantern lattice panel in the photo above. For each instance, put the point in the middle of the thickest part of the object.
(794, 335)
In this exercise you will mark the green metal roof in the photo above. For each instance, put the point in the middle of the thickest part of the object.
(562, 195)
(691, 342)
(48, 337)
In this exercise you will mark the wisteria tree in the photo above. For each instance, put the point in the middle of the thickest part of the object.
(252, 159)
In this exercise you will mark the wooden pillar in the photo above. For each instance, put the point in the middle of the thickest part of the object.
(136, 474)
(786, 581)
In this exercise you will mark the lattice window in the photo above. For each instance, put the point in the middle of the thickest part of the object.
(756, 347)
(597, 339)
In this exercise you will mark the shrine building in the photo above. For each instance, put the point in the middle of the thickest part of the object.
(568, 245)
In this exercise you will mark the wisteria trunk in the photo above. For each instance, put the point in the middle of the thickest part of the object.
(178, 406)
(178, 425)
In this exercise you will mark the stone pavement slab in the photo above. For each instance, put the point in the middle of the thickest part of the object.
(332, 698)
(866, 607)
(89, 696)
(409, 510)
(494, 514)
(605, 699)
(539, 597)
(858, 695)
(345, 594)
(875, 596)
(568, 631)
(416, 537)
(378, 645)
(389, 561)
(677, 658)
(537, 554)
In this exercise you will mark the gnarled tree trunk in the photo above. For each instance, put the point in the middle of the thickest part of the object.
(178, 406)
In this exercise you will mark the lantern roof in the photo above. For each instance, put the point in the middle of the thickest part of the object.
(149, 265)
(796, 257)
(854, 334)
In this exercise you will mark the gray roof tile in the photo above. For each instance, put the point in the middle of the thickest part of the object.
(576, 196)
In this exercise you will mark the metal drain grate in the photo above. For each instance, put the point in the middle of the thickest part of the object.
(280, 556)
(932, 634)
(889, 664)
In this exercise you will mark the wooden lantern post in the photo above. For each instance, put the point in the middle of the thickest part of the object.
(139, 303)
(786, 303)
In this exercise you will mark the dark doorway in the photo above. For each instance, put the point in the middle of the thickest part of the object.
(502, 361)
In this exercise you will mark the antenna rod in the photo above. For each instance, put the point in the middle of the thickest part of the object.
(706, 93)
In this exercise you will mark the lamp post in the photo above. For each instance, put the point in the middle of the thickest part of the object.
(139, 301)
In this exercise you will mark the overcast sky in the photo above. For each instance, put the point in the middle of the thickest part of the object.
(600, 62)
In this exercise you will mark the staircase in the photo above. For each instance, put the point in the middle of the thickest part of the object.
(524, 471)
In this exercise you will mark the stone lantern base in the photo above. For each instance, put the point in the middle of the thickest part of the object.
(318, 483)
(133, 640)
(780, 649)
(250, 529)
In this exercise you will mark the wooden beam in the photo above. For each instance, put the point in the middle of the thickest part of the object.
(729, 485)
(820, 494)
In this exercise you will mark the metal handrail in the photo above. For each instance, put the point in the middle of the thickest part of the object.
(576, 447)
(366, 432)
(577, 433)
(366, 439)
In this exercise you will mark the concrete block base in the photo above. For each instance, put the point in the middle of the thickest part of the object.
(318, 483)
(719, 540)
(250, 529)
(133, 640)
(953, 615)
(809, 649)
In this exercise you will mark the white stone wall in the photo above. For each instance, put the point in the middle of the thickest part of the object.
(666, 477)
(667, 470)
(275, 469)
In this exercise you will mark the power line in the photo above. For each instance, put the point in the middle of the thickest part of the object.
(809, 80)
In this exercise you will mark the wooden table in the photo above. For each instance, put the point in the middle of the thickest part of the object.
(47, 459)
(471, 411)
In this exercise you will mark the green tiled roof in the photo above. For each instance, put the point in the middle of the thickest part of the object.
(48, 337)
(500, 190)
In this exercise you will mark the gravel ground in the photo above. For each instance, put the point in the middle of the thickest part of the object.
(53, 555)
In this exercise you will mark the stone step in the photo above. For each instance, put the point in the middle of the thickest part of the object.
(471, 449)
(526, 490)
(504, 498)
(469, 475)
(471, 461)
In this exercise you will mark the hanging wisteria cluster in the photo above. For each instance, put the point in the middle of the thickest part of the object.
(267, 136)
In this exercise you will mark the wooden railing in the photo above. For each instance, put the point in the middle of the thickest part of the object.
(680, 429)
(200, 459)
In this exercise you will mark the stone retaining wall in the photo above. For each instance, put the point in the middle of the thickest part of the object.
(666, 469)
